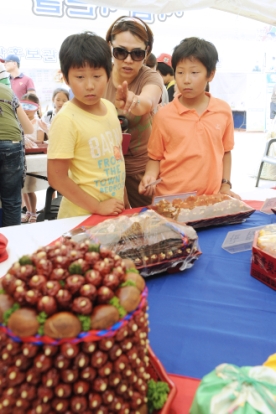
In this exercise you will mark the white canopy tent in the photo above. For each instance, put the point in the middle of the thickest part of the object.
(243, 31)
(262, 10)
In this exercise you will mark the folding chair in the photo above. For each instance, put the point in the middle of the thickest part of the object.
(266, 158)
(51, 208)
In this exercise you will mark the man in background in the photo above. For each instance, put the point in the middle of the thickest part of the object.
(20, 83)
(164, 67)
(151, 62)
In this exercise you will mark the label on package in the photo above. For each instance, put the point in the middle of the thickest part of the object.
(240, 240)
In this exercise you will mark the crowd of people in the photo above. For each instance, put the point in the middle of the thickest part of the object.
(180, 133)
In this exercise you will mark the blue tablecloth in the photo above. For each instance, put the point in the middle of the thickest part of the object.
(214, 312)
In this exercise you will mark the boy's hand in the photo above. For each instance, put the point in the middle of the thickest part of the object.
(111, 207)
(145, 188)
(230, 193)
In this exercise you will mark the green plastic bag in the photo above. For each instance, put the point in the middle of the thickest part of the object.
(230, 389)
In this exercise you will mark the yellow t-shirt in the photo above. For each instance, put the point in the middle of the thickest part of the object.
(94, 146)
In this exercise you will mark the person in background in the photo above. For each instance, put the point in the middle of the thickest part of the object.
(192, 137)
(85, 159)
(12, 119)
(4, 76)
(31, 106)
(164, 67)
(151, 62)
(59, 98)
(135, 90)
(20, 83)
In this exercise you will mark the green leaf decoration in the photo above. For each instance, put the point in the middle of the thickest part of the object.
(128, 283)
(85, 322)
(41, 330)
(75, 269)
(24, 260)
(41, 317)
(94, 248)
(2, 292)
(132, 270)
(62, 283)
(8, 313)
(116, 303)
(157, 394)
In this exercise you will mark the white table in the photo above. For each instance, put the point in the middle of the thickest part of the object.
(25, 239)
(36, 163)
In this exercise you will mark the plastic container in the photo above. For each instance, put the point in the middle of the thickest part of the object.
(263, 265)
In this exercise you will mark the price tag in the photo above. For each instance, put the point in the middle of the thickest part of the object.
(240, 240)
(268, 205)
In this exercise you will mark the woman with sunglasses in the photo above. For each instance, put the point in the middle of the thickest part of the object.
(135, 89)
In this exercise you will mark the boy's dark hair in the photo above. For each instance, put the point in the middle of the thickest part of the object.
(84, 48)
(193, 47)
(151, 61)
(134, 25)
(164, 69)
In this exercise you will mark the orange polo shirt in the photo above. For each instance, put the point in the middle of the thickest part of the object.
(191, 147)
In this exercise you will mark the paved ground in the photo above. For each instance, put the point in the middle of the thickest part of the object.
(246, 156)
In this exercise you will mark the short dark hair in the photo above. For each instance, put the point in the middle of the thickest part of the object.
(151, 61)
(84, 48)
(193, 47)
(135, 26)
(164, 69)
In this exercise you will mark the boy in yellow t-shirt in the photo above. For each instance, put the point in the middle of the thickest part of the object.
(85, 159)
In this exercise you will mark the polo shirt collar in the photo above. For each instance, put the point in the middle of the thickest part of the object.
(181, 109)
(19, 76)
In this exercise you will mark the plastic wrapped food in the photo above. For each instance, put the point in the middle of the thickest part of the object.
(154, 243)
(266, 240)
(204, 210)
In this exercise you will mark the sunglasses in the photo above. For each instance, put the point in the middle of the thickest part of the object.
(121, 54)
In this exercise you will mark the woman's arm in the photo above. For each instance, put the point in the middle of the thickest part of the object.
(24, 120)
(141, 104)
(57, 171)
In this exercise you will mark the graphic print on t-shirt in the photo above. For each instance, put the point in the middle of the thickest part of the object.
(110, 166)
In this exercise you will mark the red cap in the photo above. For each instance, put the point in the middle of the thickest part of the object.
(165, 58)
(3, 244)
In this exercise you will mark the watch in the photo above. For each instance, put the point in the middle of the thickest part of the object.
(224, 181)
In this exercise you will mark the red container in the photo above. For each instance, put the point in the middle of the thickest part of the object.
(263, 265)
(126, 141)
(158, 373)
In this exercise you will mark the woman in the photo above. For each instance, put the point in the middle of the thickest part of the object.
(11, 155)
(135, 90)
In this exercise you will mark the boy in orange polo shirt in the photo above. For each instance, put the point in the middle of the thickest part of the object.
(192, 137)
